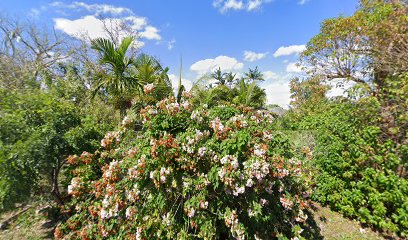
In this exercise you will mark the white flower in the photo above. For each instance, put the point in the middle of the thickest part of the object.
(203, 204)
(199, 134)
(222, 173)
(138, 234)
(152, 111)
(263, 202)
(267, 135)
(129, 212)
(259, 151)
(148, 88)
(166, 219)
(75, 184)
(162, 179)
(216, 125)
(186, 105)
(126, 121)
(191, 213)
(239, 190)
(70, 189)
(173, 107)
(104, 214)
(250, 212)
(249, 183)
(201, 151)
(269, 189)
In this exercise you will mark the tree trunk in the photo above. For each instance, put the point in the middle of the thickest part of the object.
(122, 113)
(55, 188)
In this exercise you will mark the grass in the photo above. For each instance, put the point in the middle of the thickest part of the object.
(30, 225)
(333, 226)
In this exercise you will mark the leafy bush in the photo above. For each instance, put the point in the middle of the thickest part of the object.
(359, 170)
(188, 175)
(37, 132)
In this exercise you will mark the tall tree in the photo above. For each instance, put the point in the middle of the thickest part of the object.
(219, 76)
(230, 78)
(365, 48)
(28, 54)
(253, 75)
(118, 80)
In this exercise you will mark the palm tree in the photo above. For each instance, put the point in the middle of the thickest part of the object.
(250, 94)
(147, 69)
(219, 76)
(254, 75)
(230, 78)
(118, 80)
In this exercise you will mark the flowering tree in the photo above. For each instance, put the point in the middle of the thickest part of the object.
(189, 174)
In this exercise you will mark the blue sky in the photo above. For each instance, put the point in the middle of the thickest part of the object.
(231, 34)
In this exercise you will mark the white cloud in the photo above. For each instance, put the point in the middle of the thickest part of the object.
(93, 8)
(224, 62)
(94, 28)
(151, 32)
(249, 5)
(278, 93)
(289, 50)
(339, 87)
(225, 5)
(174, 82)
(269, 75)
(170, 44)
(293, 68)
(253, 56)
(254, 4)
(301, 2)
(35, 13)
(91, 24)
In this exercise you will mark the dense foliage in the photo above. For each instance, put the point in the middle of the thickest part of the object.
(191, 173)
(361, 139)
(37, 133)
(359, 173)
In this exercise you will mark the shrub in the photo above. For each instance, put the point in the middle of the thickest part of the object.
(359, 170)
(188, 175)
(37, 132)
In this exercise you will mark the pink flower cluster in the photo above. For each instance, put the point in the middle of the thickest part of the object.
(231, 221)
(239, 121)
(160, 177)
(148, 88)
(262, 116)
(127, 121)
(136, 171)
(75, 186)
(256, 168)
(110, 137)
(217, 125)
(132, 195)
(110, 208)
(110, 172)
